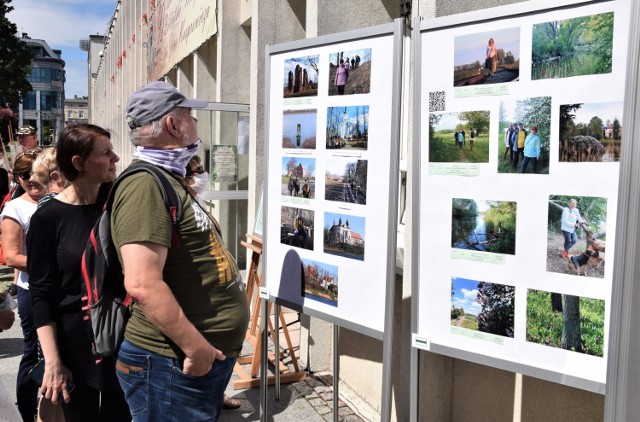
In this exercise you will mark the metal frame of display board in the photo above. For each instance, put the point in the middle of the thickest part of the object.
(397, 30)
(629, 172)
(623, 370)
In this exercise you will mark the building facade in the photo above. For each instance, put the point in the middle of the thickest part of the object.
(230, 66)
(76, 110)
(43, 107)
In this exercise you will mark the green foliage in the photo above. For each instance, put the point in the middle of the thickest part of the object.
(443, 149)
(456, 313)
(479, 120)
(15, 62)
(470, 322)
(616, 128)
(502, 214)
(595, 127)
(602, 25)
(498, 304)
(593, 209)
(545, 326)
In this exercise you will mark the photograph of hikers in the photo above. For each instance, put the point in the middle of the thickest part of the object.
(350, 72)
(572, 47)
(590, 132)
(565, 321)
(487, 58)
(298, 177)
(577, 235)
(524, 135)
(461, 137)
(301, 76)
(484, 226)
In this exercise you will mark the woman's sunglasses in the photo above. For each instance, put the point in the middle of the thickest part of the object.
(25, 175)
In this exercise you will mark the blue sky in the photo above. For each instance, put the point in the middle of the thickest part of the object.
(62, 24)
(606, 111)
(472, 47)
(465, 293)
(307, 120)
(308, 163)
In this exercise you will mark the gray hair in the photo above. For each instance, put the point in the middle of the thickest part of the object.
(152, 129)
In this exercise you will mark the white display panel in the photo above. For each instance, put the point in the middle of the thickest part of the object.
(490, 237)
(327, 246)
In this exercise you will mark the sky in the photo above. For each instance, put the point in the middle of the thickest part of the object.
(606, 111)
(62, 24)
(338, 166)
(307, 120)
(472, 47)
(290, 66)
(464, 295)
(308, 163)
(447, 121)
(356, 223)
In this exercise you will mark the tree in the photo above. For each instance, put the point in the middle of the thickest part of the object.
(479, 120)
(595, 127)
(616, 128)
(508, 58)
(15, 61)
(571, 333)
(497, 301)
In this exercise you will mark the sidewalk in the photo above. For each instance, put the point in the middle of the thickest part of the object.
(309, 400)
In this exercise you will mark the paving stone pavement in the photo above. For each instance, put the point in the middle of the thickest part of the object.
(309, 400)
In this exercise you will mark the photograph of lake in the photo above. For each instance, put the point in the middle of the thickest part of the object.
(485, 226)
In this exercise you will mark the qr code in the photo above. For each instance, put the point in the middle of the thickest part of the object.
(437, 101)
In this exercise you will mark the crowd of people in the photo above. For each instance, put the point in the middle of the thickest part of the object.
(519, 143)
(189, 311)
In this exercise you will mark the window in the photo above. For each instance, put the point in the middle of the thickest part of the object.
(69, 114)
(29, 102)
(81, 114)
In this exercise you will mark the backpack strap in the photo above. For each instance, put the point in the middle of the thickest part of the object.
(172, 201)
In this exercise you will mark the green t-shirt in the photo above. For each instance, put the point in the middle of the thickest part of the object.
(201, 273)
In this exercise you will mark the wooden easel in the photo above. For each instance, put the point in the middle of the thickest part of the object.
(254, 282)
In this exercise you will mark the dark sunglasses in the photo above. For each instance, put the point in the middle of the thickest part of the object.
(25, 175)
(198, 170)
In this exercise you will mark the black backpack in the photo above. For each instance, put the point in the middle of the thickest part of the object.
(106, 303)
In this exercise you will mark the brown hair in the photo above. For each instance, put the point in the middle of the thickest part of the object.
(24, 162)
(76, 140)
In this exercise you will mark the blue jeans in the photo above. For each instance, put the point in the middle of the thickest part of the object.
(156, 388)
(570, 239)
(525, 162)
(26, 388)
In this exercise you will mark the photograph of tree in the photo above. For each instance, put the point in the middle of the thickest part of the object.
(320, 282)
(590, 132)
(346, 180)
(486, 226)
(350, 72)
(344, 235)
(481, 306)
(519, 142)
(572, 47)
(348, 127)
(301, 76)
(299, 129)
(486, 58)
(296, 227)
(576, 235)
(569, 322)
(299, 177)
(461, 137)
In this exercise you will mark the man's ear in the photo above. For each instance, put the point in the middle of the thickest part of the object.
(171, 124)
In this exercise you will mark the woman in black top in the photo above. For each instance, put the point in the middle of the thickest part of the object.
(57, 238)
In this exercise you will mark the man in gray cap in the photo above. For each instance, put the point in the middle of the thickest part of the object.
(190, 311)
(27, 137)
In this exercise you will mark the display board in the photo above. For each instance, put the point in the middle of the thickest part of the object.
(516, 225)
(331, 175)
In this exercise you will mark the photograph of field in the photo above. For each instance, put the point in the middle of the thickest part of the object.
(513, 144)
(577, 225)
(347, 127)
(297, 227)
(572, 47)
(344, 235)
(564, 321)
(299, 129)
(350, 72)
(486, 58)
(461, 137)
(346, 180)
(320, 282)
(481, 306)
(298, 177)
(486, 226)
(301, 76)
(590, 132)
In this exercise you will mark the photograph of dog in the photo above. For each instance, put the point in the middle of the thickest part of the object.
(592, 257)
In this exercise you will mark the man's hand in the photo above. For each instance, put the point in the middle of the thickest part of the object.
(200, 362)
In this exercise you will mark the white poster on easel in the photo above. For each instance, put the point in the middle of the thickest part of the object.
(331, 176)
(520, 132)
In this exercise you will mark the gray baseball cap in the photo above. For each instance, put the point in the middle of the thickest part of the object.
(154, 100)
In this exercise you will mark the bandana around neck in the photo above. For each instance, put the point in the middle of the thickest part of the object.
(174, 160)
